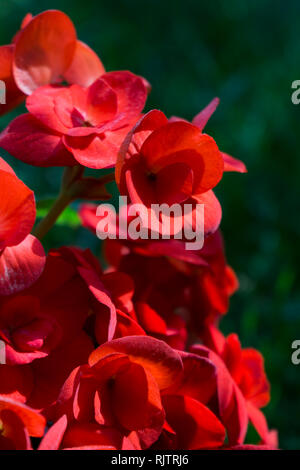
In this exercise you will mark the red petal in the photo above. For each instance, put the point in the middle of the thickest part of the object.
(54, 436)
(102, 295)
(21, 265)
(91, 436)
(121, 288)
(255, 385)
(127, 326)
(29, 141)
(232, 404)
(49, 378)
(136, 398)
(199, 379)
(212, 211)
(134, 141)
(131, 93)
(14, 435)
(202, 118)
(152, 120)
(44, 50)
(86, 66)
(46, 105)
(17, 210)
(235, 417)
(96, 151)
(156, 356)
(149, 319)
(139, 188)
(182, 142)
(34, 422)
(195, 425)
(232, 354)
(259, 421)
(27, 18)
(101, 103)
(233, 164)
(174, 183)
(214, 339)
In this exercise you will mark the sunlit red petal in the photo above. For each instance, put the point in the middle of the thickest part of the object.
(17, 210)
(136, 398)
(96, 151)
(34, 422)
(131, 93)
(54, 435)
(86, 66)
(44, 50)
(180, 141)
(21, 265)
(233, 164)
(156, 356)
(202, 118)
(102, 103)
(212, 211)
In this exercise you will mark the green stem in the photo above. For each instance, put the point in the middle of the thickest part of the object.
(49, 220)
(73, 186)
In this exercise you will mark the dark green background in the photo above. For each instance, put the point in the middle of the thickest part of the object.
(248, 54)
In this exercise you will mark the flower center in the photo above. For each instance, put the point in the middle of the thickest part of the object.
(151, 177)
(87, 124)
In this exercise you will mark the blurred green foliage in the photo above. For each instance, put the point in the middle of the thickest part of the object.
(248, 54)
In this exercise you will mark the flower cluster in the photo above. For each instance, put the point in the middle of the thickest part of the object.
(130, 355)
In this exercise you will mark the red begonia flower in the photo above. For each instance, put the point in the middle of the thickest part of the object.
(242, 385)
(45, 51)
(121, 388)
(163, 162)
(17, 423)
(22, 257)
(71, 125)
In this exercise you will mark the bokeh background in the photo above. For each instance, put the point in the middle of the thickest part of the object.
(248, 54)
